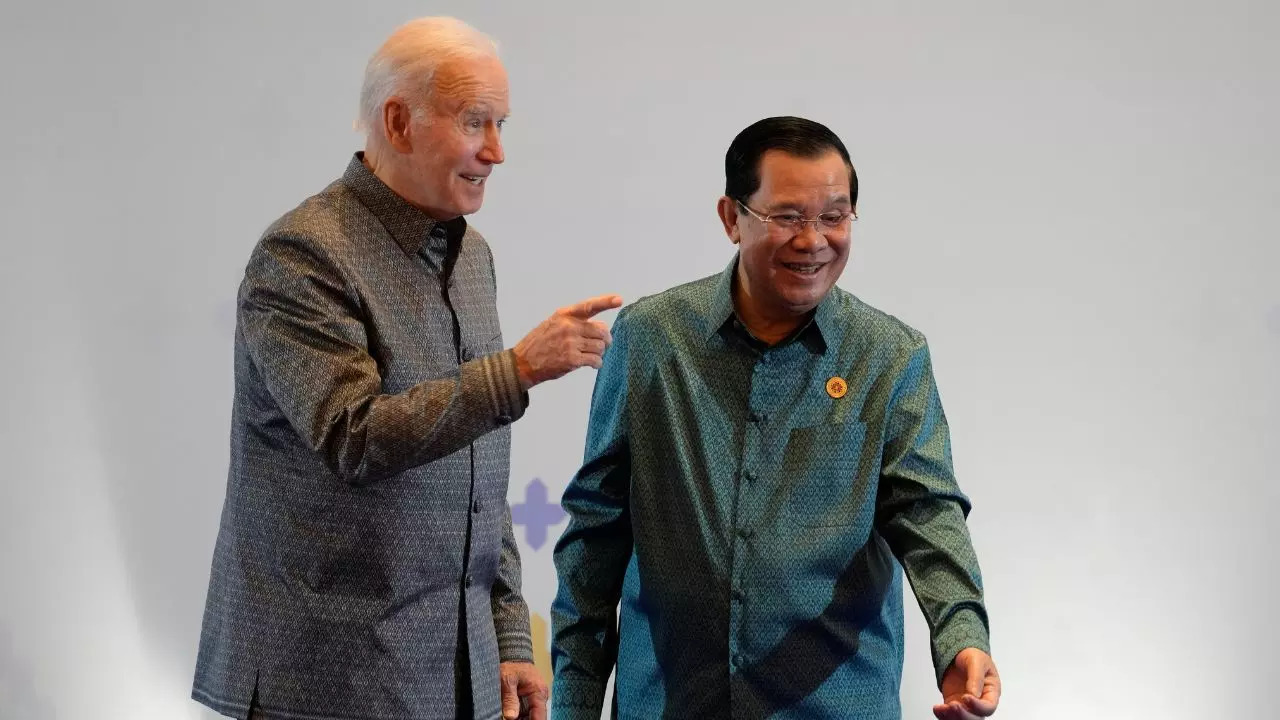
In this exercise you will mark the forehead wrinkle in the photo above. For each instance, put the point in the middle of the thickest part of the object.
(460, 86)
(469, 96)
(461, 90)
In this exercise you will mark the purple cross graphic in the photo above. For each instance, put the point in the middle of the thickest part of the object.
(536, 514)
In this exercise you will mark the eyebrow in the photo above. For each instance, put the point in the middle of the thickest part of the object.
(793, 206)
(481, 110)
(787, 205)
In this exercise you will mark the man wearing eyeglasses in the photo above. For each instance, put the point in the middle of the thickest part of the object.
(762, 446)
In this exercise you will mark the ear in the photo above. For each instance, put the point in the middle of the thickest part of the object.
(396, 124)
(727, 207)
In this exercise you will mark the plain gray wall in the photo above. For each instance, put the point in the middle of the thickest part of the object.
(1074, 201)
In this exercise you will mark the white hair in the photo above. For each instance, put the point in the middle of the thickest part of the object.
(408, 61)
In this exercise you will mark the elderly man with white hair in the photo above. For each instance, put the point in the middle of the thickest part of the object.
(365, 565)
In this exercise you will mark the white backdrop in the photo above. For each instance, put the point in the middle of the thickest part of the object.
(1074, 201)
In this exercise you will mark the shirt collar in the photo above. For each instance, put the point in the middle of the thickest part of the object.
(816, 333)
(413, 230)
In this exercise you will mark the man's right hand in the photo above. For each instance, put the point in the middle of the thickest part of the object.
(566, 341)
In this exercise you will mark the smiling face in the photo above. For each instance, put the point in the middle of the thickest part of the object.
(783, 275)
(448, 149)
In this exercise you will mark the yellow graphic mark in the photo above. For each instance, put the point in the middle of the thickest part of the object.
(541, 645)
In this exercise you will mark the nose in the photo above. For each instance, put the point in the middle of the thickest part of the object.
(491, 151)
(809, 240)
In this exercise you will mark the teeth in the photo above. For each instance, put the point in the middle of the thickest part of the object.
(473, 179)
(806, 268)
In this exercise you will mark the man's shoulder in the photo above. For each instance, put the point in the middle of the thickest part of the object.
(681, 306)
(325, 220)
(873, 326)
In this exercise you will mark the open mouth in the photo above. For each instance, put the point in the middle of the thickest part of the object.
(804, 268)
(474, 179)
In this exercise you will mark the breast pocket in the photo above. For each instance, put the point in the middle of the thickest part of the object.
(821, 464)
(480, 332)
(483, 343)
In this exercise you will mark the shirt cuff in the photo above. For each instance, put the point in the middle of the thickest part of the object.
(576, 699)
(507, 399)
(966, 628)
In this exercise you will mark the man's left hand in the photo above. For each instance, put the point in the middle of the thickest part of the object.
(970, 687)
(524, 692)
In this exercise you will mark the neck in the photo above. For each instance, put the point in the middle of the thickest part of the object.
(382, 162)
(769, 328)
(375, 158)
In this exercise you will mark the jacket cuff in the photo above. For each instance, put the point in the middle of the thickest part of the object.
(515, 647)
(506, 398)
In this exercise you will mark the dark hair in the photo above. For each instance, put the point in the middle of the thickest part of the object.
(792, 135)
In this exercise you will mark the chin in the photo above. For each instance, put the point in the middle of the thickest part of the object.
(801, 303)
(801, 293)
(469, 205)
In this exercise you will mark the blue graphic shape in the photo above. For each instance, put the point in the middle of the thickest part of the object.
(536, 514)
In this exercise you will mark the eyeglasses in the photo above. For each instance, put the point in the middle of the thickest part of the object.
(833, 223)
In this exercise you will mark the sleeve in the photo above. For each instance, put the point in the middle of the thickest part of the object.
(301, 323)
(591, 557)
(510, 611)
(921, 513)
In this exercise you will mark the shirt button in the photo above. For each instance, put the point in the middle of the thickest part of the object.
(738, 595)
(744, 533)
(738, 660)
(467, 581)
(467, 356)
(756, 417)
(748, 476)
(475, 506)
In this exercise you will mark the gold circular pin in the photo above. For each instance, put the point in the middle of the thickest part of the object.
(837, 387)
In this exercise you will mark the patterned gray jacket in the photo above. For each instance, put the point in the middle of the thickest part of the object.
(365, 565)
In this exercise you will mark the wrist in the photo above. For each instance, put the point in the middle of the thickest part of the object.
(524, 371)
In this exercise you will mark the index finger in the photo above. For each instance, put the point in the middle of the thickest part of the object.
(587, 308)
(537, 706)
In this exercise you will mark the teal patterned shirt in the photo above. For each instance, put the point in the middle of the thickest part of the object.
(750, 510)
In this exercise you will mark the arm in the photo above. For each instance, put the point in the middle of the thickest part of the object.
(521, 682)
(510, 612)
(591, 557)
(921, 514)
(302, 326)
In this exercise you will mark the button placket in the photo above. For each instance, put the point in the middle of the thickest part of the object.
(748, 488)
